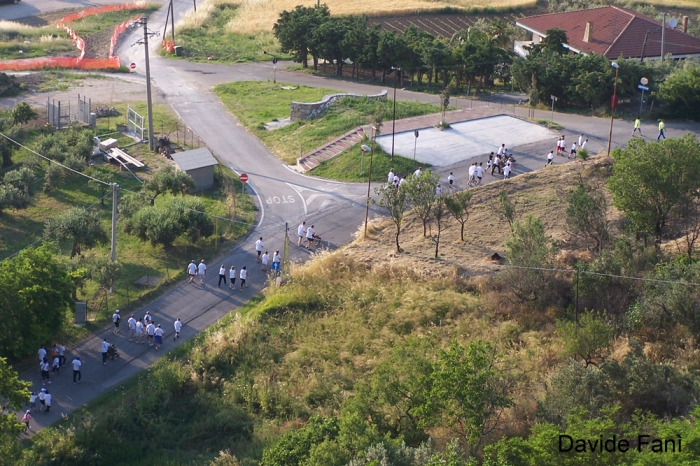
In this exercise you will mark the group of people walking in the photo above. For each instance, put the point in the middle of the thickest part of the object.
(141, 330)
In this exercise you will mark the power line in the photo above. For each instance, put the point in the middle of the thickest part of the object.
(52, 160)
(587, 272)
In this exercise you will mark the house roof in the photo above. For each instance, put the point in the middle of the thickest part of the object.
(614, 31)
(195, 158)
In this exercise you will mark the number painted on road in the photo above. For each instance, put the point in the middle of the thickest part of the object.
(280, 200)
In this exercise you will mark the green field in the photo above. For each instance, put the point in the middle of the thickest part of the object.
(257, 103)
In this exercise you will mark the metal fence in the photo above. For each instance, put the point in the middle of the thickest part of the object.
(84, 110)
(58, 117)
(134, 123)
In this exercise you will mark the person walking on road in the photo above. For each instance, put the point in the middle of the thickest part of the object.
(48, 397)
(202, 269)
(105, 351)
(41, 353)
(580, 140)
(131, 323)
(222, 274)
(276, 258)
(259, 248)
(56, 366)
(231, 278)
(244, 276)
(390, 178)
(42, 399)
(62, 353)
(178, 327)
(550, 158)
(26, 419)
(662, 127)
(45, 372)
(451, 179)
(32, 401)
(637, 127)
(309, 238)
(151, 331)
(159, 336)
(265, 261)
(116, 318)
(192, 271)
(139, 331)
(301, 231)
(77, 375)
(147, 318)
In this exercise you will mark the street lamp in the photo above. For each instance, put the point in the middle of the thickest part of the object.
(364, 149)
(613, 102)
(393, 120)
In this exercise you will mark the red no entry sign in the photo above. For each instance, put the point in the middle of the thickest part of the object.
(132, 66)
(243, 177)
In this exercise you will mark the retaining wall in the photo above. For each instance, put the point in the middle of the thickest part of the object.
(303, 110)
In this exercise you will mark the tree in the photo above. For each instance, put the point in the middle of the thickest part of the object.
(421, 192)
(679, 93)
(23, 113)
(35, 294)
(466, 392)
(294, 30)
(17, 189)
(440, 219)
(158, 225)
(168, 179)
(193, 219)
(648, 195)
(396, 202)
(555, 40)
(14, 393)
(587, 217)
(53, 177)
(391, 50)
(78, 225)
(505, 208)
(329, 36)
(530, 249)
(458, 205)
(589, 340)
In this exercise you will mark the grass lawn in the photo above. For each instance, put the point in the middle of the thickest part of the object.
(256, 103)
(212, 40)
(350, 166)
(95, 23)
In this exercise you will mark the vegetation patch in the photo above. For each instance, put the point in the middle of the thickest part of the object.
(256, 103)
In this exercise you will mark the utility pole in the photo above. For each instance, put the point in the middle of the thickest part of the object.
(151, 141)
(663, 36)
(115, 202)
(172, 21)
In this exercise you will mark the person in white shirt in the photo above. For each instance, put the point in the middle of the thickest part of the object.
(42, 399)
(451, 179)
(244, 275)
(178, 327)
(309, 237)
(105, 350)
(56, 366)
(259, 247)
(573, 151)
(77, 375)
(501, 150)
(158, 336)
(42, 353)
(139, 331)
(147, 318)
(301, 231)
(401, 181)
(479, 172)
(472, 176)
(202, 269)
(62, 353)
(222, 274)
(583, 146)
(265, 260)
(438, 191)
(48, 400)
(580, 140)
(192, 271)
(506, 171)
(550, 158)
(232, 277)
(116, 318)
(150, 330)
(418, 172)
(390, 178)
(132, 327)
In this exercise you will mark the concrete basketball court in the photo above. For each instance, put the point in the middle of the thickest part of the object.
(466, 139)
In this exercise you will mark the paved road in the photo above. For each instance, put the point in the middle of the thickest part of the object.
(35, 7)
(282, 195)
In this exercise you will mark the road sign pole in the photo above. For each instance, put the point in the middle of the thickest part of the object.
(641, 103)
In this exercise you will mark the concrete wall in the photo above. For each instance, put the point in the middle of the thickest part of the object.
(303, 110)
(203, 178)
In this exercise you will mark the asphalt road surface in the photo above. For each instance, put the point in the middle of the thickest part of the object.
(282, 196)
(35, 7)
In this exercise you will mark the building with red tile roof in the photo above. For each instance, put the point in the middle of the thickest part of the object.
(613, 32)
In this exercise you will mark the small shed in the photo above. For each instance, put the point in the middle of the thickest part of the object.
(199, 164)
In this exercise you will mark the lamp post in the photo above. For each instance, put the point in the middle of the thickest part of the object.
(393, 120)
(613, 103)
(366, 148)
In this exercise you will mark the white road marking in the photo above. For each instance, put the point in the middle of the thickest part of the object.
(302, 197)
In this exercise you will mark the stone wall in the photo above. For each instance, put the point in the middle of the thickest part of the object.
(303, 110)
